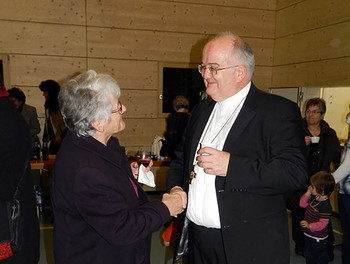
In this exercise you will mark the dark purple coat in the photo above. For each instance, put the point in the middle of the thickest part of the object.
(98, 217)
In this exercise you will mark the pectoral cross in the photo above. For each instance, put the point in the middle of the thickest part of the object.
(192, 175)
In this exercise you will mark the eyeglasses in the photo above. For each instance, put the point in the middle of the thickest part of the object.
(119, 108)
(212, 68)
(313, 112)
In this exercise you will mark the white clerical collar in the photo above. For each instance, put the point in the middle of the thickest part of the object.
(231, 102)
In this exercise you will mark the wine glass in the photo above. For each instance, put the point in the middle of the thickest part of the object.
(144, 159)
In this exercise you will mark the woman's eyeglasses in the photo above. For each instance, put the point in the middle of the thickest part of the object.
(314, 112)
(119, 108)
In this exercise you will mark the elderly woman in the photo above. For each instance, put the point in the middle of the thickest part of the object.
(101, 213)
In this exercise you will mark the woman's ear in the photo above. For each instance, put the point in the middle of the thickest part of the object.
(98, 125)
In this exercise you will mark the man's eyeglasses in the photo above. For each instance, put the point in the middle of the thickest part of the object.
(313, 112)
(119, 108)
(212, 68)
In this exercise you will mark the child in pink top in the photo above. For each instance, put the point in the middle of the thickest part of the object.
(317, 214)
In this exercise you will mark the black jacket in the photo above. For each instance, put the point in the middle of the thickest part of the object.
(15, 155)
(321, 155)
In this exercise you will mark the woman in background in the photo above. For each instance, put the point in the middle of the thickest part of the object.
(176, 123)
(55, 129)
(101, 213)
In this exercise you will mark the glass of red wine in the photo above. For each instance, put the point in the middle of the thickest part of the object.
(144, 159)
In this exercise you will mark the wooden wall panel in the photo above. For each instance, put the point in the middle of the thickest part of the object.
(27, 70)
(281, 4)
(128, 39)
(139, 133)
(256, 4)
(319, 44)
(160, 46)
(140, 104)
(332, 72)
(180, 17)
(59, 11)
(139, 45)
(129, 74)
(311, 14)
(311, 45)
(43, 39)
(262, 77)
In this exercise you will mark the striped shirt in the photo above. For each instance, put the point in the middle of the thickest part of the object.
(316, 211)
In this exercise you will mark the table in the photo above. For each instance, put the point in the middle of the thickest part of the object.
(159, 169)
(43, 164)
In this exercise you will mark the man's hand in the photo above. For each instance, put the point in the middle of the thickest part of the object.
(213, 161)
(176, 201)
(178, 190)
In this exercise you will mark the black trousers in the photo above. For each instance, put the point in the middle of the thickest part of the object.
(316, 252)
(205, 245)
(298, 236)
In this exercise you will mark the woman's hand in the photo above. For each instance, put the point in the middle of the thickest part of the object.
(148, 168)
(307, 140)
(176, 201)
(135, 168)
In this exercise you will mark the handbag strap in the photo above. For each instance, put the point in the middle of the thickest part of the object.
(18, 187)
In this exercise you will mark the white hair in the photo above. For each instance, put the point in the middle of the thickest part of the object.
(87, 98)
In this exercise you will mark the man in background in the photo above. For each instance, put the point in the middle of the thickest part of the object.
(28, 112)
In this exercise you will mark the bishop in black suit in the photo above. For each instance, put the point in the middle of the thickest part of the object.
(258, 160)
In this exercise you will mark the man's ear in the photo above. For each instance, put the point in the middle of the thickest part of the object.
(241, 72)
(98, 125)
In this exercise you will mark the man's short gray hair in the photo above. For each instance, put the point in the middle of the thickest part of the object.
(87, 98)
(241, 51)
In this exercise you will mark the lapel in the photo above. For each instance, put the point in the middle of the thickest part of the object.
(200, 120)
(243, 119)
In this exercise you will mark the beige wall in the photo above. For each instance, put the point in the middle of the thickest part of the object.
(312, 45)
(127, 39)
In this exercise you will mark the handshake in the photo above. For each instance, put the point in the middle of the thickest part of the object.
(176, 201)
